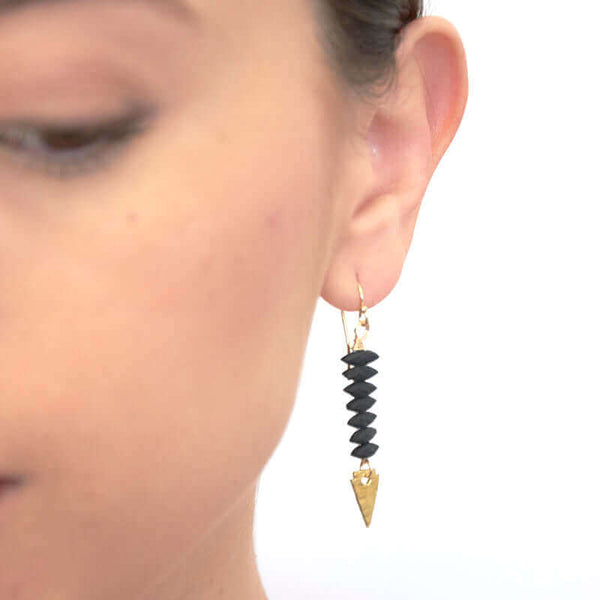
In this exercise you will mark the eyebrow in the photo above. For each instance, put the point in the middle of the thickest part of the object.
(180, 9)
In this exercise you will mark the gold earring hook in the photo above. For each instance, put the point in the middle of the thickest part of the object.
(363, 323)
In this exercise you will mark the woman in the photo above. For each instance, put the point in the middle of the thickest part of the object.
(181, 181)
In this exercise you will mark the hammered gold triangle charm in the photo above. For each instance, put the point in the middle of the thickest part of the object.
(365, 492)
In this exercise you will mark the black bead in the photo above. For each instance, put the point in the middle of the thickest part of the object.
(365, 451)
(360, 357)
(362, 420)
(360, 388)
(360, 373)
(361, 404)
(362, 436)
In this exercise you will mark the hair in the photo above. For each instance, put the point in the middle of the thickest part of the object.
(360, 39)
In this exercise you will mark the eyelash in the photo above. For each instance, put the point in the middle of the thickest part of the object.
(95, 143)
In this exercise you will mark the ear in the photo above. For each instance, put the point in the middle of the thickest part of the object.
(406, 135)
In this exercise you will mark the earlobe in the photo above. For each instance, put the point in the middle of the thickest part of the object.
(408, 132)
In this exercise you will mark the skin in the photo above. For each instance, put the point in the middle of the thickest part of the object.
(155, 311)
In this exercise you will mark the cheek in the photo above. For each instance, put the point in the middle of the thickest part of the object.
(156, 344)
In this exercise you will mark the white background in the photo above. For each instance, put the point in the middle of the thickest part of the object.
(488, 396)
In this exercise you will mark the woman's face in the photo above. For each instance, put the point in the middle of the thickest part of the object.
(157, 289)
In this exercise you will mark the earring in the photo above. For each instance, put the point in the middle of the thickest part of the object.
(358, 370)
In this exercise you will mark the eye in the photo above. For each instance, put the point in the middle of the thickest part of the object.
(68, 150)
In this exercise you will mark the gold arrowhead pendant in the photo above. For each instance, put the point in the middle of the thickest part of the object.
(365, 492)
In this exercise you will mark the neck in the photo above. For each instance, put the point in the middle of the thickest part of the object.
(222, 566)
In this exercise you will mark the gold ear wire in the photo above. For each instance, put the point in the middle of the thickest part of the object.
(363, 323)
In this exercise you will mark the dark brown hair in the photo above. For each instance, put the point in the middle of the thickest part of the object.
(360, 38)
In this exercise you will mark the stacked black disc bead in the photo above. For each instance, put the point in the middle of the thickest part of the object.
(361, 389)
